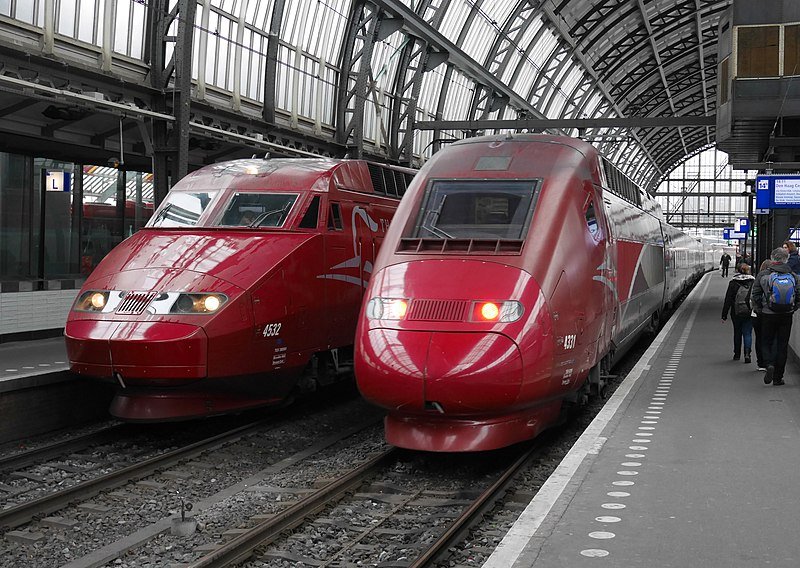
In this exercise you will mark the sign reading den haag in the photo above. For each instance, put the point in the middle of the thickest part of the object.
(778, 191)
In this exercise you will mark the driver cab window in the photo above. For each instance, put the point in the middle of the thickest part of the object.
(334, 218)
(257, 210)
(591, 221)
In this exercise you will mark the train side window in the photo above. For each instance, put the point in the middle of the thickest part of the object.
(334, 217)
(309, 220)
(591, 221)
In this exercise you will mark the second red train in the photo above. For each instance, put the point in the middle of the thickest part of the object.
(516, 270)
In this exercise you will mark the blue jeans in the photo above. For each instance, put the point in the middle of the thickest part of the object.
(742, 330)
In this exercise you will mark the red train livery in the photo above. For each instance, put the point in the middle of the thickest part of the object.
(245, 285)
(516, 268)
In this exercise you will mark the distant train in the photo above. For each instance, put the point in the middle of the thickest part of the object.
(244, 286)
(517, 268)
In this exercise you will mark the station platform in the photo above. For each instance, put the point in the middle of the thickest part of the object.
(39, 394)
(691, 463)
(27, 363)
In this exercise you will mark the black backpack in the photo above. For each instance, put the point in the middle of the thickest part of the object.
(741, 307)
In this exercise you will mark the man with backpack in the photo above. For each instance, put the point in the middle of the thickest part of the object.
(775, 297)
(737, 301)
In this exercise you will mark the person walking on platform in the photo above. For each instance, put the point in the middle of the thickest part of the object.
(794, 257)
(737, 303)
(725, 262)
(775, 297)
(758, 334)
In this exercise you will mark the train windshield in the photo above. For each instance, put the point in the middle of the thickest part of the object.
(257, 209)
(181, 209)
(477, 209)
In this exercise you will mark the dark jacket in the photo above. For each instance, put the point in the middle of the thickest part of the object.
(736, 282)
(725, 260)
(760, 290)
(794, 262)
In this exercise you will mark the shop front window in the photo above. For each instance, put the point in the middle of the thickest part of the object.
(15, 216)
(58, 220)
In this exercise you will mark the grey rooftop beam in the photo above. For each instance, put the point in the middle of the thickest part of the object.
(416, 26)
(564, 123)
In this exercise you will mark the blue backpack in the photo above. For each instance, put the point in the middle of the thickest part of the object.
(780, 295)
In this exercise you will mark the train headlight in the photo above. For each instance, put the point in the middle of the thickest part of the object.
(211, 303)
(503, 312)
(490, 311)
(92, 301)
(198, 303)
(387, 308)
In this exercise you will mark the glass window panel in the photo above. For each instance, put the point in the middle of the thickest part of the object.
(525, 78)
(515, 59)
(5, 9)
(182, 208)
(431, 89)
(65, 19)
(453, 21)
(87, 22)
(257, 209)
(543, 48)
(791, 53)
(60, 252)
(26, 10)
(479, 39)
(483, 209)
(498, 10)
(757, 51)
(122, 24)
(138, 19)
(16, 209)
(263, 16)
(459, 97)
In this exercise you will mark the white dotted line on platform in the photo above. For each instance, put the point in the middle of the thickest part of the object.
(644, 435)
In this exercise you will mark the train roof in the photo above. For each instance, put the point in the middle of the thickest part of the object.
(575, 143)
(288, 173)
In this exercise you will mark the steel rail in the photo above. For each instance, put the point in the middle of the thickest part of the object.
(242, 547)
(49, 451)
(474, 512)
(23, 513)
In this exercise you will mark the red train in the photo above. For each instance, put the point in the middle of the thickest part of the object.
(516, 269)
(244, 286)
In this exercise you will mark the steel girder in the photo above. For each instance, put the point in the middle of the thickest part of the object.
(271, 65)
(174, 79)
(363, 25)
(661, 60)
(416, 59)
(579, 54)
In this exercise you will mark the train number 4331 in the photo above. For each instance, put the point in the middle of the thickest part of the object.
(569, 342)
(272, 329)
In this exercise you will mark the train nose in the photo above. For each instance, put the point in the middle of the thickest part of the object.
(437, 372)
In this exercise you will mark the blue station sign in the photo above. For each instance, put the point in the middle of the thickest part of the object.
(778, 192)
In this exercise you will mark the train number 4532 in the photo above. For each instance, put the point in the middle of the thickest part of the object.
(272, 329)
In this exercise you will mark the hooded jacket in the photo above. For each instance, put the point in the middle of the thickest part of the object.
(794, 261)
(761, 288)
(736, 282)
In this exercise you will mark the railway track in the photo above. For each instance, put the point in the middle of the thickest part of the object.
(20, 514)
(63, 447)
(404, 503)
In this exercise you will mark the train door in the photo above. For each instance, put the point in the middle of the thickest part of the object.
(365, 231)
(597, 308)
(344, 283)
